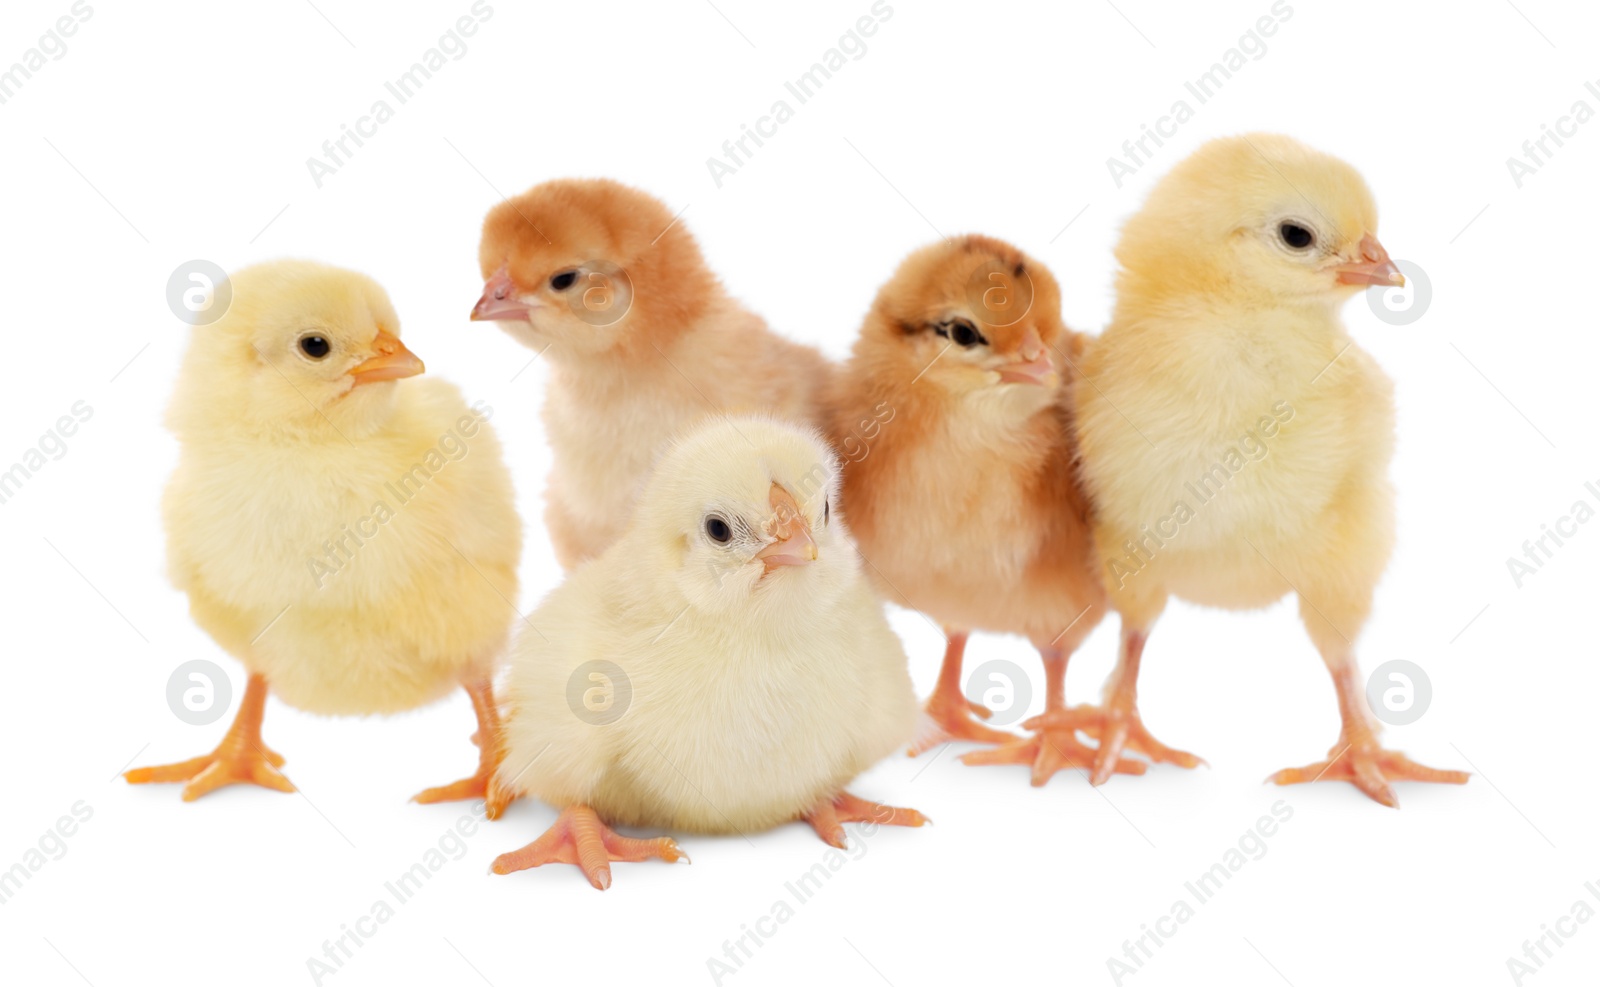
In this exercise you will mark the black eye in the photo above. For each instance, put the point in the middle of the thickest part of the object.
(563, 281)
(1296, 236)
(718, 531)
(825, 506)
(316, 347)
(965, 335)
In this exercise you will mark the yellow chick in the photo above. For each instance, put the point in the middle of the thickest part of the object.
(349, 537)
(1235, 442)
(722, 668)
(643, 340)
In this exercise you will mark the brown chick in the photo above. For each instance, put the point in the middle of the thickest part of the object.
(642, 339)
(1234, 439)
(958, 472)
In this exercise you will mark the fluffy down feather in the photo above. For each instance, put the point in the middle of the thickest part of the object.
(643, 341)
(282, 457)
(754, 695)
(960, 479)
(963, 495)
(1235, 440)
(1223, 332)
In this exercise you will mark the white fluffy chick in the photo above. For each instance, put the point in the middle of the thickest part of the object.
(723, 667)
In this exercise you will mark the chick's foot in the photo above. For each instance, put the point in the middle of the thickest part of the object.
(231, 763)
(241, 757)
(474, 787)
(1117, 729)
(830, 815)
(1370, 768)
(487, 737)
(1049, 750)
(579, 837)
(949, 715)
(944, 720)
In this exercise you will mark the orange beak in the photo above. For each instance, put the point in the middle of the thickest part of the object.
(1033, 365)
(499, 301)
(393, 361)
(1375, 267)
(794, 545)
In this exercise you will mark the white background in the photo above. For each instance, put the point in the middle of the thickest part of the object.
(159, 137)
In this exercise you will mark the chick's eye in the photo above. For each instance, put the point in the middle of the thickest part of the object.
(1296, 236)
(314, 346)
(963, 334)
(718, 531)
(563, 281)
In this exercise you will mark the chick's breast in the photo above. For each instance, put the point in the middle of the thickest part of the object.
(1252, 448)
(766, 729)
(722, 732)
(359, 578)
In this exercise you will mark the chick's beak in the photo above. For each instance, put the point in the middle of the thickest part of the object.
(393, 361)
(1032, 366)
(499, 301)
(1374, 267)
(794, 544)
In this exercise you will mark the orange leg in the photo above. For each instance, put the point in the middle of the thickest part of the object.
(489, 755)
(830, 815)
(579, 837)
(1358, 757)
(1051, 748)
(241, 757)
(1116, 724)
(949, 714)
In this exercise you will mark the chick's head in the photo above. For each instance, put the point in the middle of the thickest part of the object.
(584, 266)
(302, 345)
(740, 512)
(973, 319)
(1261, 214)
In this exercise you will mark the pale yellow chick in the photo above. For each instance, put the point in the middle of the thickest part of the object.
(608, 285)
(1235, 441)
(723, 667)
(349, 536)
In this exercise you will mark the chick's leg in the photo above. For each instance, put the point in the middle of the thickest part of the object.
(1357, 757)
(241, 757)
(1052, 748)
(949, 714)
(579, 837)
(830, 815)
(1116, 723)
(489, 755)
